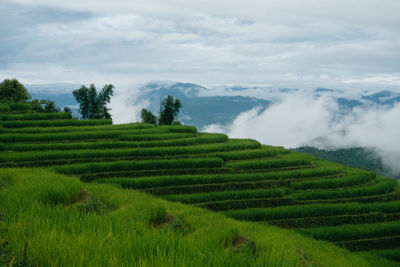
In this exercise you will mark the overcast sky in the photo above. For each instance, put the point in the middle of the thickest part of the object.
(340, 44)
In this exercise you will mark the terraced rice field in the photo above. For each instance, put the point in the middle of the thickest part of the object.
(241, 178)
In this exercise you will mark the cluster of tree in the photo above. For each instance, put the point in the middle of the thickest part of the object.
(169, 111)
(12, 91)
(93, 105)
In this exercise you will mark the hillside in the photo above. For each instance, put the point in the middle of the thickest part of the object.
(63, 198)
(357, 157)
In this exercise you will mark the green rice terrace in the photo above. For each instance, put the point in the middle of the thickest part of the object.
(89, 193)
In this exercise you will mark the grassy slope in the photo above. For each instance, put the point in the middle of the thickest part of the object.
(117, 227)
(357, 157)
(73, 223)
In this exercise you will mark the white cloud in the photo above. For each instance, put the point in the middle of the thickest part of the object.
(290, 123)
(305, 120)
(281, 43)
(126, 109)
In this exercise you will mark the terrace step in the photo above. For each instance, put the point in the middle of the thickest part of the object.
(335, 220)
(227, 186)
(141, 173)
(385, 242)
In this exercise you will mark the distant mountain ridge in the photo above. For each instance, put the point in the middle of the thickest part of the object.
(203, 106)
(200, 110)
(357, 157)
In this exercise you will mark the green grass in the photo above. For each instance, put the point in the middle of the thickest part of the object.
(36, 116)
(225, 195)
(188, 139)
(15, 107)
(163, 181)
(102, 224)
(353, 231)
(44, 156)
(86, 168)
(53, 123)
(79, 128)
(313, 210)
(267, 164)
(382, 186)
(130, 231)
(393, 254)
(354, 178)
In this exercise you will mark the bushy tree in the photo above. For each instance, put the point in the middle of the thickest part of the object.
(50, 106)
(93, 105)
(13, 90)
(67, 110)
(169, 110)
(37, 105)
(148, 117)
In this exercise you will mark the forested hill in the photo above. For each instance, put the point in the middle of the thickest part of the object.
(358, 157)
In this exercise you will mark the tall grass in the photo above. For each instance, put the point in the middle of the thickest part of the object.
(79, 145)
(267, 164)
(36, 116)
(354, 178)
(353, 231)
(383, 185)
(313, 210)
(140, 165)
(53, 123)
(61, 235)
(8, 157)
(162, 181)
(228, 195)
(15, 107)
(80, 128)
(247, 154)
(335, 220)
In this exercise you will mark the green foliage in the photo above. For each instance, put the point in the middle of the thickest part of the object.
(267, 164)
(53, 123)
(348, 180)
(228, 195)
(169, 110)
(313, 210)
(85, 168)
(50, 106)
(44, 106)
(15, 107)
(35, 116)
(393, 254)
(93, 105)
(148, 117)
(13, 90)
(67, 109)
(153, 137)
(381, 187)
(125, 238)
(157, 215)
(80, 128)
(353, 231)
(242, 178)
(165, 181)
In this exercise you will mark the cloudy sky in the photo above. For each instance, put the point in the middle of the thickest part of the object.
(308, 43)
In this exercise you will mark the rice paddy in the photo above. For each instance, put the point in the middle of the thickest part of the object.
(263, 186)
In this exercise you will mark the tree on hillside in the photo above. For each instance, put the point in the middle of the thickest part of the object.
(50, 106)
(148, 117)
(93, 105)
(13, 90)
(67, 109)
(169, 110)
